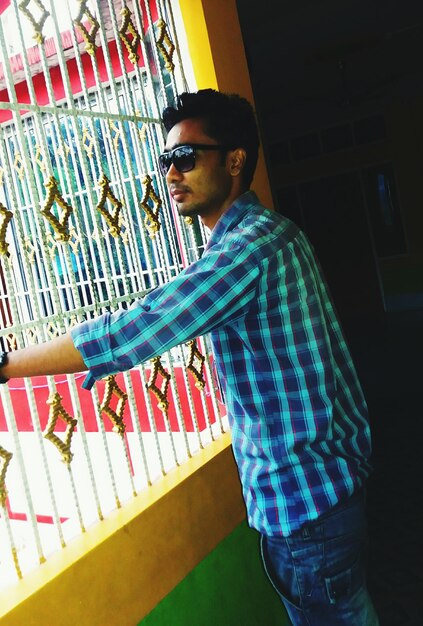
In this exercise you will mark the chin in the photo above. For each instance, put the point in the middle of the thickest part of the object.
(186, 211)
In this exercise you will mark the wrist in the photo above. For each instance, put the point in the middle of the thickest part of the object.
(3, 361)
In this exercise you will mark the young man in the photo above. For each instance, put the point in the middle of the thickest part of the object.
(298, 417)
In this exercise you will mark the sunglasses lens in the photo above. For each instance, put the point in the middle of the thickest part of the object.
(165, 161)
(183, 159)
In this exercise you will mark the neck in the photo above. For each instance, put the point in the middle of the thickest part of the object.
(210, 220)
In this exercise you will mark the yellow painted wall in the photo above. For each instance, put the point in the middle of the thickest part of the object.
(119, 570)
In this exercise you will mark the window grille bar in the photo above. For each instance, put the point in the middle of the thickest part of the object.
(12, 428)
(63, 109)
(193, 412)
(106, 449)
(76, 499)
(138, 437)
(31, 199)
(11, 288)
(167, 12)
(210, 376)
(86, 449)
(47, 471)
(151, 419)
(11, 541)
(177, 403)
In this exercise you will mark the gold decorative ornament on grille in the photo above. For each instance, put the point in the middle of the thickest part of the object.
(165, 46)
(5, 217)
(32, 334)
(12, 341)
(88, 35)
(29, 248)
(64, 151)
(116, 416)
(36, 24)
(39, 158)
(196, 364)
(87, 142)
(142, 132)
(112, 219)
(124, 230)
(52, 245)
(6, 457)
(60, 226)
(127, 26)
(74, 241)
(116, 138)
(57, 411)
(53, 330)
(160, 392)
(151, 220)
(18, 165)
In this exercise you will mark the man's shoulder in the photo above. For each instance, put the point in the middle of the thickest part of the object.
(260, 225)
(250, 226)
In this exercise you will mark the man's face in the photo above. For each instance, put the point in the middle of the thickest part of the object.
(206, 190)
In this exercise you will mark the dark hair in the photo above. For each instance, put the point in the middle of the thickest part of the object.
(228, 118)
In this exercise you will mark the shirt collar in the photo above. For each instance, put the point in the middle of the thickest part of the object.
(232, 216)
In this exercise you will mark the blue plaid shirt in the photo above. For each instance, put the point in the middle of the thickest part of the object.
(298, 417)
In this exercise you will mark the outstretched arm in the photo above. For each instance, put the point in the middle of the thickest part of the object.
(58, 356)
(209, 293)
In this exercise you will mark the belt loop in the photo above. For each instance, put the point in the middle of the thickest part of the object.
(305, 532)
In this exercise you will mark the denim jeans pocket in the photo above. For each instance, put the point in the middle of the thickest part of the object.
(344, 584)
(285, 592)
(344, 571)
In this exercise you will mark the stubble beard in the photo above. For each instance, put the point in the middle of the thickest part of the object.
(192, 210)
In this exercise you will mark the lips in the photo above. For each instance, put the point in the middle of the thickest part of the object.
(178, 193)
(178, 196)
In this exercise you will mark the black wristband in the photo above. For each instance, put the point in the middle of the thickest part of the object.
(3, 360)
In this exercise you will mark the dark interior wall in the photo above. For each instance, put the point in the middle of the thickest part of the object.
(339, 96)
(338, 89)
(405, 122)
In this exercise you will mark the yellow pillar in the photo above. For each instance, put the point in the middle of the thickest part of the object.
(218, 58)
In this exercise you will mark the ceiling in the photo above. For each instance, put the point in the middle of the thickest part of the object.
(327, 58)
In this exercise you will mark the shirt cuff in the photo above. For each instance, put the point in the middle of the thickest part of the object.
(91, 340)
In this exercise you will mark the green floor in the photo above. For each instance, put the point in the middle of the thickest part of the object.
(228, 588)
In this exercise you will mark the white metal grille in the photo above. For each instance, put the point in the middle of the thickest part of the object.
(86, 225)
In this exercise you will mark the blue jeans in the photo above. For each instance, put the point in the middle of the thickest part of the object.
(319, 571)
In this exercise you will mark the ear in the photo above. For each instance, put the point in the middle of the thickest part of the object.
(236, 161)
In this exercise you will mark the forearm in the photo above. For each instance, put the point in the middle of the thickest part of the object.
(58, 356)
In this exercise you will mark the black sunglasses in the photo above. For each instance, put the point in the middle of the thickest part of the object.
(183, 157)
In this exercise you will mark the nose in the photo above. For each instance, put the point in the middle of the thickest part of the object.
(173, 174)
